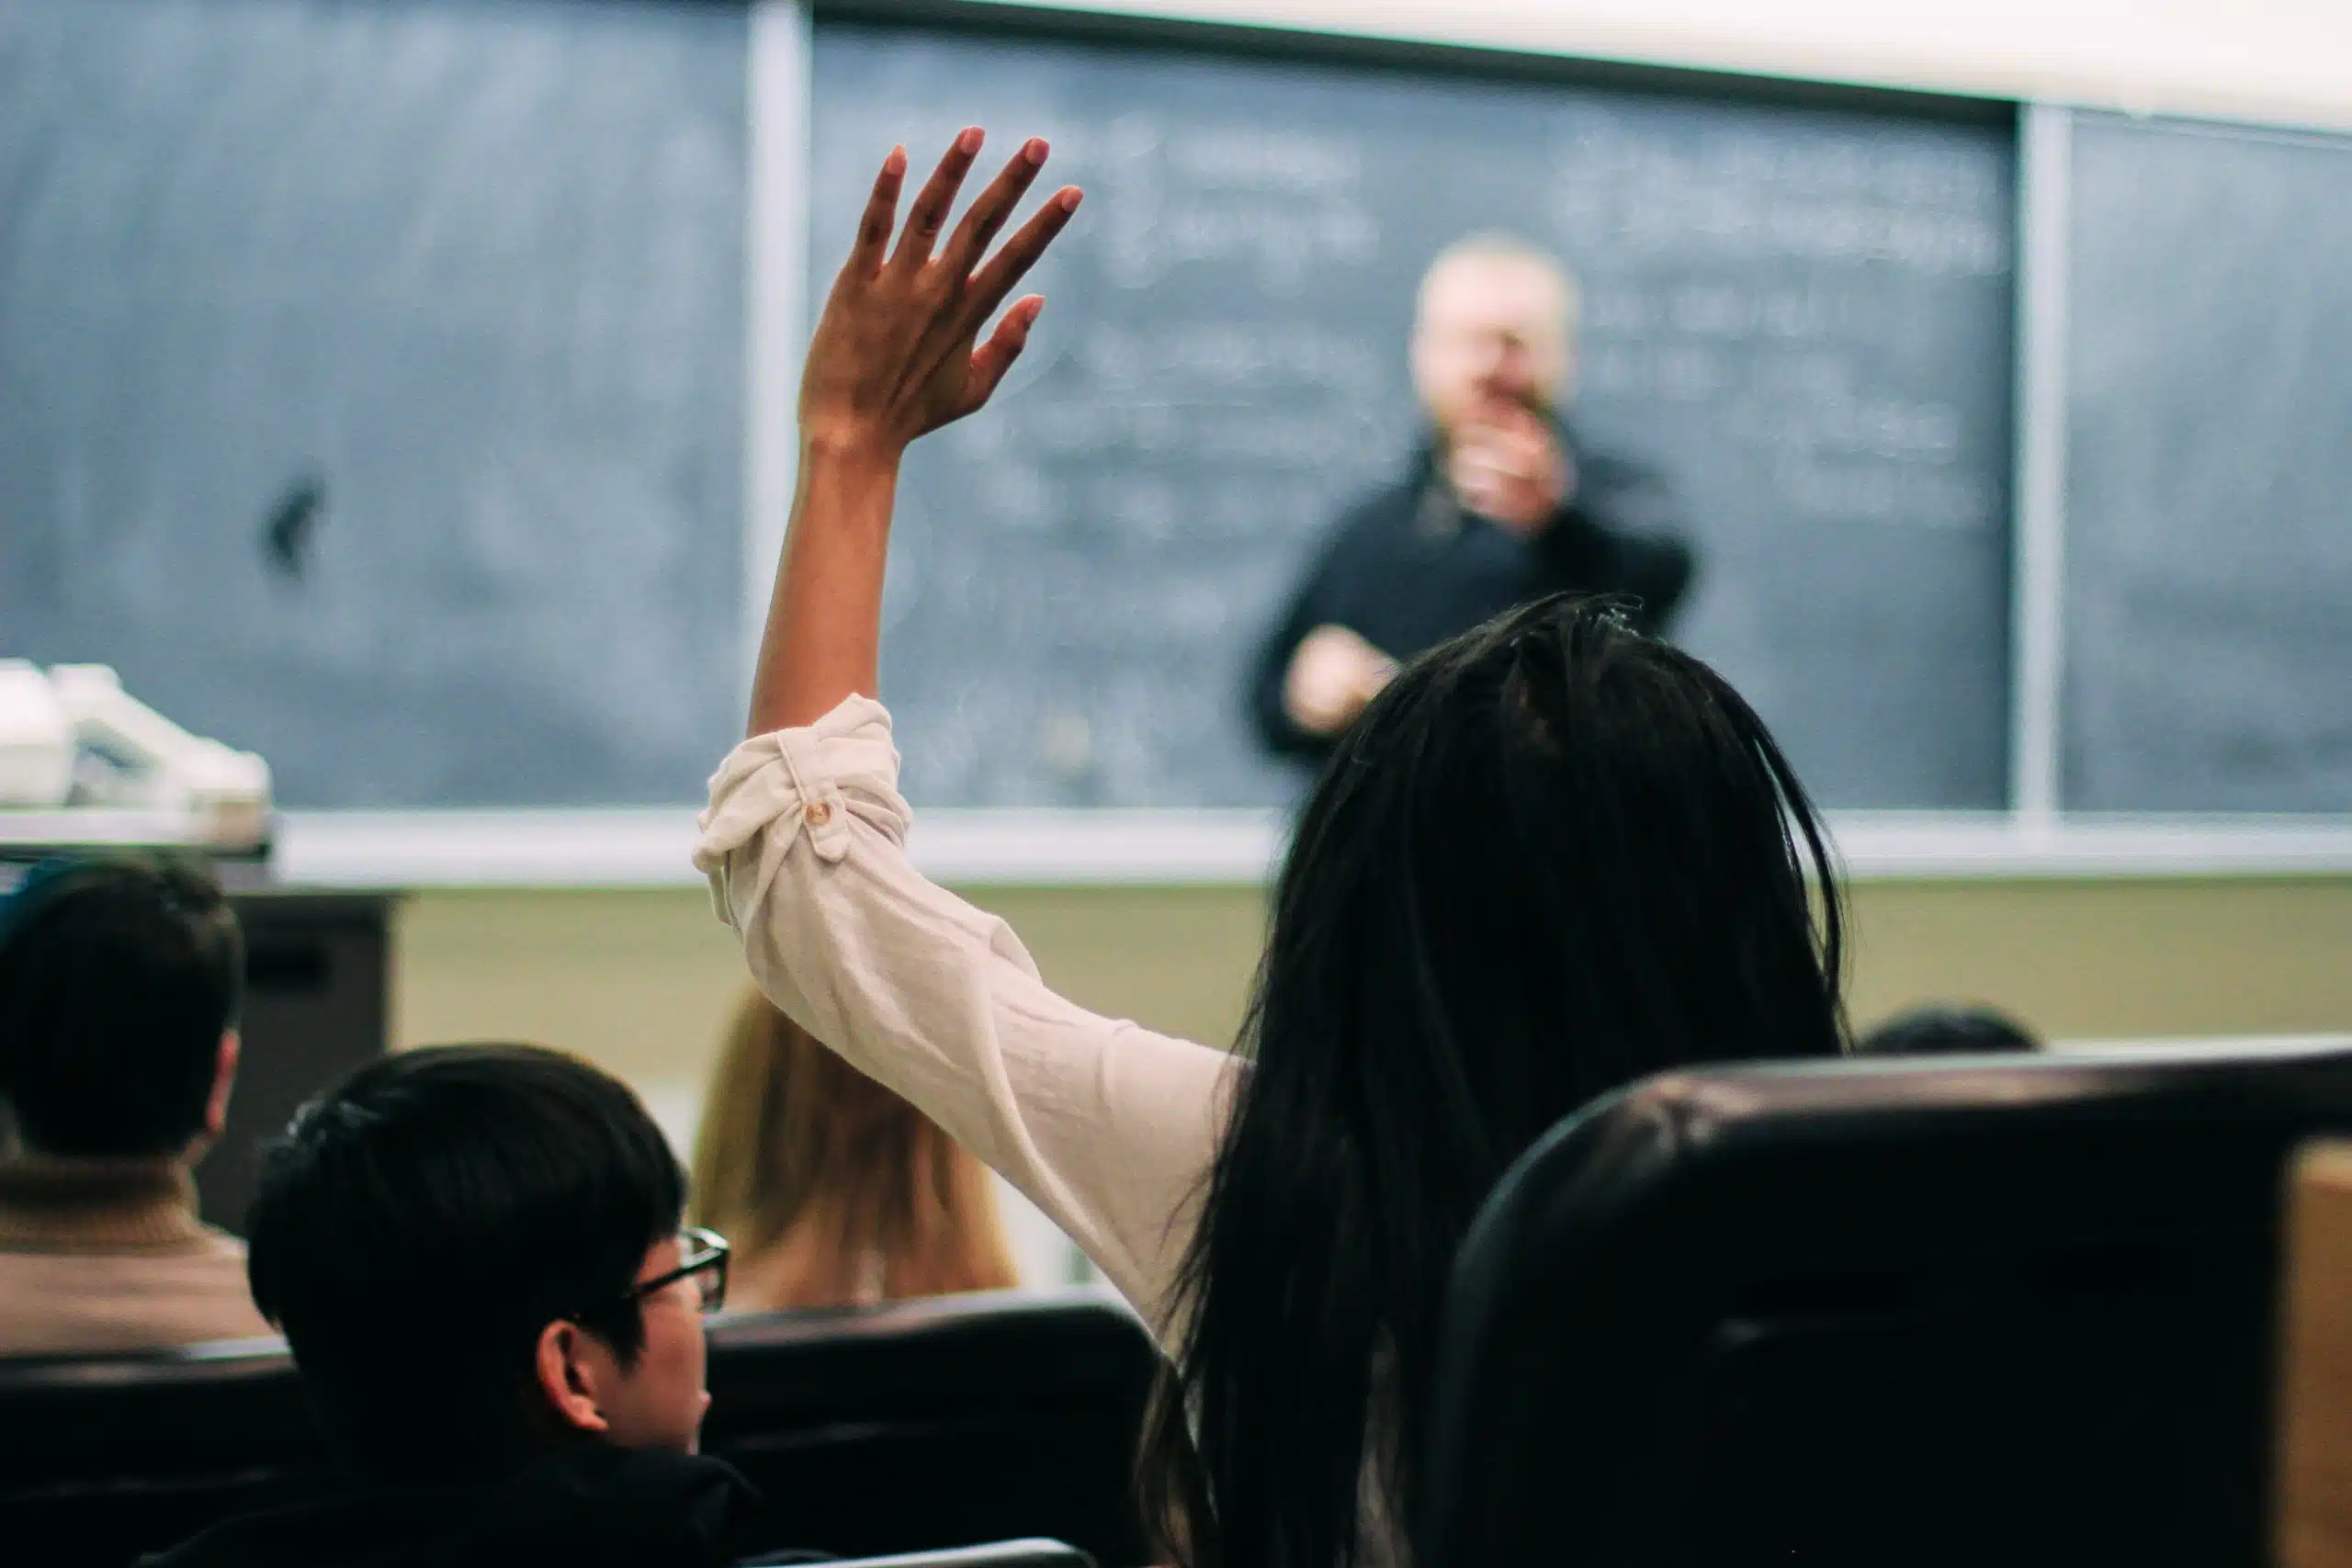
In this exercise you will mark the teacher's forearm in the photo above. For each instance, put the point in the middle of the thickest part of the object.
(824, 628)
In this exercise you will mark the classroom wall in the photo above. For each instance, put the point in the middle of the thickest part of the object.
(641, 981)
(2282, 60)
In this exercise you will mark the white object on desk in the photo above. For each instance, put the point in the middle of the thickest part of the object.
(122, 761)
(36, 739)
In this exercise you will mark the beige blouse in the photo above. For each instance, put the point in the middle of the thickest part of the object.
(1107, 1127)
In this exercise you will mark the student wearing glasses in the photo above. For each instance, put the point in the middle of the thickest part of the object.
(475, 1253)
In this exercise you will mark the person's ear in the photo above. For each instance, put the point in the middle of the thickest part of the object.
(224, 1079)
(567, 1377)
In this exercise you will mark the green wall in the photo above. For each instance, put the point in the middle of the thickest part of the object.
(641, 980)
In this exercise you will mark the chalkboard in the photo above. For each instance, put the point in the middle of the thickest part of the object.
(2209, 497)
(1799, 315)
(370, 382)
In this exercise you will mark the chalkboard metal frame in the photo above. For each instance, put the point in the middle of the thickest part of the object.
(648, 847)
(2038, 530)
(776, 314)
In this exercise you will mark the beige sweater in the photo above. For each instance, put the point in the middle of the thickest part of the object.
(109, 1255)
(1107, 1127)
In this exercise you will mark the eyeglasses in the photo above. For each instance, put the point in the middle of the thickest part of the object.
(702, 1259)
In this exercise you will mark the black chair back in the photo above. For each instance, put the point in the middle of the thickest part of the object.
(1989, 1309)
(105, 1458)
(927, 1425)
(996, 1554)
(913, 1427)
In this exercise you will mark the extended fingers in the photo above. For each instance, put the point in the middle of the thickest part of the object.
(995, 205)
(927, 215)
(1010, 263)
(881, 215)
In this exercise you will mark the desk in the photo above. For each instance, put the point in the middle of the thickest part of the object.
(317, 990)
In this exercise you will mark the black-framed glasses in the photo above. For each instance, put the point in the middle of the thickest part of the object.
(702, 1258)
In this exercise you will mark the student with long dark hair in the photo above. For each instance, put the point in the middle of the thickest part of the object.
(1552, 856)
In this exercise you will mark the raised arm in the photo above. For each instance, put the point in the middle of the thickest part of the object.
(897, 354)
(1108, 1128)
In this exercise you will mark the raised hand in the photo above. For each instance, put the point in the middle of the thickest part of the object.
(897, 352)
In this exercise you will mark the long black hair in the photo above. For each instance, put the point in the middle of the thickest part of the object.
(1553, 856)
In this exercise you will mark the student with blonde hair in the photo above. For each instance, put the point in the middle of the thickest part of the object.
(833, 1191)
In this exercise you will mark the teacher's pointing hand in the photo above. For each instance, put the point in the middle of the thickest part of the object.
(897, 352)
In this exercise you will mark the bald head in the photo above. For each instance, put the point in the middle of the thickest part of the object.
(1497, 325)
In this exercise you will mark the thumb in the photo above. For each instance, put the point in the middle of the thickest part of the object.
(994, 357)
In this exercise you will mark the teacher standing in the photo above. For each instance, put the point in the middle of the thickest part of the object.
(1500, 507)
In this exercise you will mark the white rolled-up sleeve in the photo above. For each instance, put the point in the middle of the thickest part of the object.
(1107, 1127)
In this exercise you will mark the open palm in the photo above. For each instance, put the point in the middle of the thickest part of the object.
(897, 351)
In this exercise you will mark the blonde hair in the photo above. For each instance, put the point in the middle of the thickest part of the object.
(833, 1189)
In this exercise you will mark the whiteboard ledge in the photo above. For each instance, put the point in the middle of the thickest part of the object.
(99, 825)
(1898, 846)
(652, 848)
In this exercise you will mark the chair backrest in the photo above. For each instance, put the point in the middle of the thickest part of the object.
(923, 1425)
(2313, 1519)
(103, 1458)
(915, 1426)
(996, 1554)
(1976, 1310)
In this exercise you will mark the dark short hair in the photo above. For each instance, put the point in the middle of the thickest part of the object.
(416, 1228)
(119, 973)
(1946, 1030)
